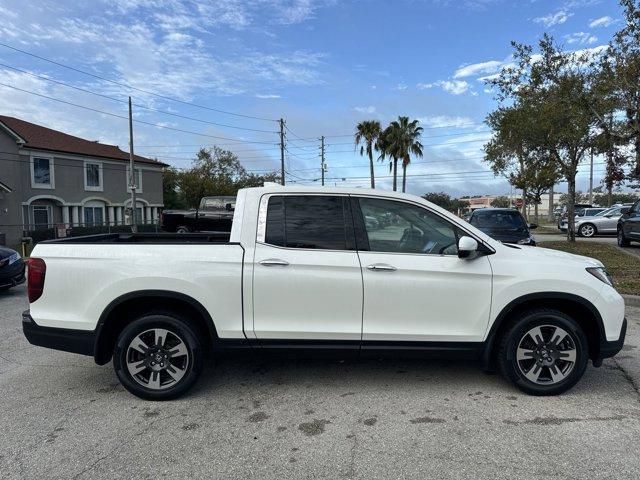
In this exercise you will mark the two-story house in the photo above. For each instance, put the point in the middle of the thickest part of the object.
(51, 179)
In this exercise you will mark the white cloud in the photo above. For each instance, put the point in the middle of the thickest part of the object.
(605, 21)
(581, 38)
(454, 87)
(370, 109)
(439, 121)
(267, 95)
(401, 86)
(477, 68)
(556, 18)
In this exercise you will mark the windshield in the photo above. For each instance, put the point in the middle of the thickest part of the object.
(500, 219)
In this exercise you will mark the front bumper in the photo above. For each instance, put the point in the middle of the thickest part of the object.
(13, 277)
(65, 339)
(609, 349)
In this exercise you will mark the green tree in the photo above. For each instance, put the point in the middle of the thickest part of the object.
(619, 81)
(366, 136)
(171, 192)
(402, 140)
(555, 87)
(501, 202)
(217, 172)
(445, 201)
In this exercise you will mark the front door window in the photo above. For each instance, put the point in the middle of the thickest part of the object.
(400, 227)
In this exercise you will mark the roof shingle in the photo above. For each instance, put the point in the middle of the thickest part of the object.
(43, 138)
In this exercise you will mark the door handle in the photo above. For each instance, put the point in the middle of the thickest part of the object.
(273, 262)
(381, 267)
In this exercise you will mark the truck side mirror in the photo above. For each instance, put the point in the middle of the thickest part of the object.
(466, 247)
(624, 210)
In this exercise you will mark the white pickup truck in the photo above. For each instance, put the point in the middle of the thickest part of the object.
(350, 271)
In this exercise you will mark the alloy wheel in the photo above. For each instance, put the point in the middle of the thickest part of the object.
(546, 354)
(587, 231)
(157, 358)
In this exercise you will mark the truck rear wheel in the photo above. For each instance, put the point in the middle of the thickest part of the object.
(544, 352)
(182, 229)
(157, 357)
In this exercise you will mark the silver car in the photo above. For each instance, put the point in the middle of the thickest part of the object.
(603, 223)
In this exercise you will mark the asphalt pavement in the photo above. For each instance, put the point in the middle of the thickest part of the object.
(64, 417)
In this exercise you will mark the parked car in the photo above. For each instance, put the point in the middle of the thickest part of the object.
(302, 271)
(214, 214)
(603, 223)
(629, 226)
(581, 212)
(11, 268)
(576, 208)
(503, 224)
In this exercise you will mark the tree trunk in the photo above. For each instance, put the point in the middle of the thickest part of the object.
(535, 213)
(373, 181)
(571, 208)
(395, 174)
(551, 217)
(524, 202)
(404, 177)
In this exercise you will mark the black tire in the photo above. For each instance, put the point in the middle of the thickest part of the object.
(623, 241)
(518, 334)
(182, 229)
(187, 365)
(587, 230)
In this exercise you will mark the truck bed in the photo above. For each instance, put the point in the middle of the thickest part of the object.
(149, 238)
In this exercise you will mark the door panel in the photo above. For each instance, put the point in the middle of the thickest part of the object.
(317, 295)
(415, 286)
(426, 298)
(307, 282)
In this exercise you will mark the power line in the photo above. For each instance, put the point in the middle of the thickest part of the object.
(125, 85)
(126, 118)
(108, 97)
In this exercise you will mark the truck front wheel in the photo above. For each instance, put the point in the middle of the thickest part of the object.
(157, 357)
(182, 229)
(544, 352)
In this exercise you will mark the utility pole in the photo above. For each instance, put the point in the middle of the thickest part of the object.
(132, 180)
(323, 166)
(282, 151)
(591, 180)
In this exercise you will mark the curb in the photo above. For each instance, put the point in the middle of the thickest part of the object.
(631, 300)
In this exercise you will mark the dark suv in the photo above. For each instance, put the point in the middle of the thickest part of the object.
(629, 226)
(504, 224)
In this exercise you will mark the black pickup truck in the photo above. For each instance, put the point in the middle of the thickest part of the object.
(215, 214)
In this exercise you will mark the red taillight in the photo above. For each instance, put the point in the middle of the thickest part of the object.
(35, 278)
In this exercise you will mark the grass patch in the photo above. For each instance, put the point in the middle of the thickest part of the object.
(548, 229)
(623, 267)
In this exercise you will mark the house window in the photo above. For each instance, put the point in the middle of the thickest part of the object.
(138, 179)
(93, 214)
(41, 215)
(42, 172)
(93, 176)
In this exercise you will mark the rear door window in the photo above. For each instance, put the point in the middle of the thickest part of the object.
(309, 221)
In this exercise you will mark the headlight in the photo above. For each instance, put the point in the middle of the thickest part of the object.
(525, 241)
(601, 274)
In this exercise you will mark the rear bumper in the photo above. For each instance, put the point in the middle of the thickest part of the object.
(67, 340)
(609, 349)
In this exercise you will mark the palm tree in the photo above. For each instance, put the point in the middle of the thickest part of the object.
(403, 139)
(367, 134)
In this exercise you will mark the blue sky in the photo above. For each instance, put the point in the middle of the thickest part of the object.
(322, 65)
